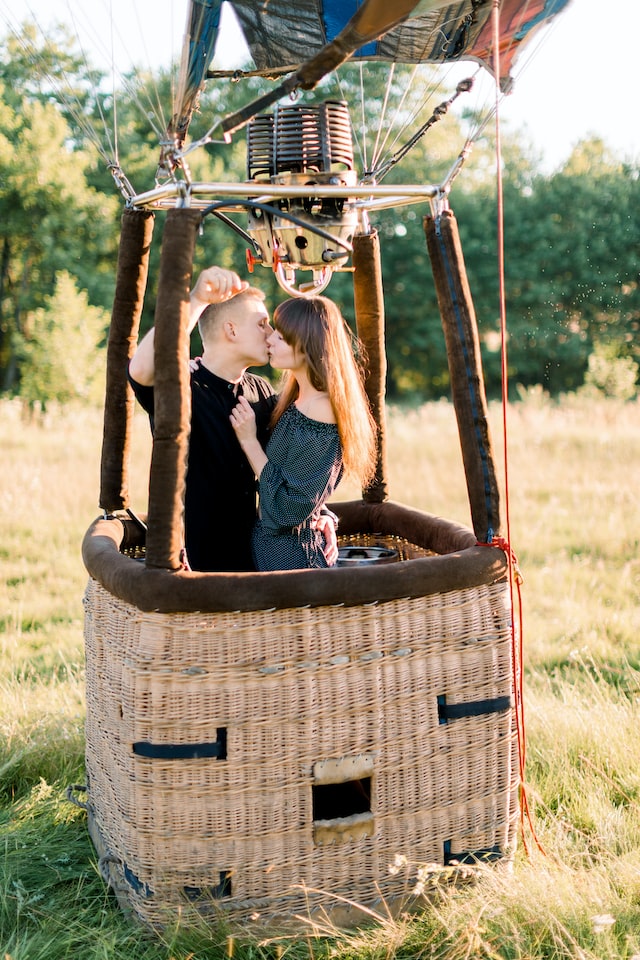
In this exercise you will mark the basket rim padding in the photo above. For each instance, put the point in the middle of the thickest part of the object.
(460, 563)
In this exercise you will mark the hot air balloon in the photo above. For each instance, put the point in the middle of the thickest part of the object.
(269, 742)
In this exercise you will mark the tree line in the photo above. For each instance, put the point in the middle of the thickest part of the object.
(572, 239)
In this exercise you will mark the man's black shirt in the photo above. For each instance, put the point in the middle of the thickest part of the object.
(220, 494)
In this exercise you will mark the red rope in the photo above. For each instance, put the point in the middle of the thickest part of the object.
(515, 576)
(517, 667)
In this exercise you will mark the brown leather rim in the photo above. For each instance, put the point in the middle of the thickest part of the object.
(460, 563)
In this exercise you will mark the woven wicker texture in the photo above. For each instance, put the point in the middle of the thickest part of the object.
(340, 740)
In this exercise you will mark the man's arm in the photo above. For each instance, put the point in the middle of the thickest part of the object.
(213, 285)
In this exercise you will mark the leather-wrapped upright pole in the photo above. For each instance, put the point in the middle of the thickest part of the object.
(131, 282)
(172, 400)
(465, 369)
(369, 305)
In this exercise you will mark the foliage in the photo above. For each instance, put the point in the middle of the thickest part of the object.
(610, 374)
(571, 238)
(50, 219)
(49, 70)
(60, 347)
(581, 232)
(570, 269)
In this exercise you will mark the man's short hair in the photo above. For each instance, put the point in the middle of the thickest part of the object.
(215, 314)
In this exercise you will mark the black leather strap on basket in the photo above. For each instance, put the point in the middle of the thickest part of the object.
(476, 708)
(184, 751)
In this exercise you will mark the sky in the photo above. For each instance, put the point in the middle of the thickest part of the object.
(579, 81)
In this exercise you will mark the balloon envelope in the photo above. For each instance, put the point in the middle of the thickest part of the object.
(282, 34)
(292, 35)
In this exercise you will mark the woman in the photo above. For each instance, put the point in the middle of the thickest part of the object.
(321, 428)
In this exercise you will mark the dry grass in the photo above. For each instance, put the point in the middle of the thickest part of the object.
(574, 504)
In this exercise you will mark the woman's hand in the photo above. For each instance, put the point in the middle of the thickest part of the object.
(243, 421)
(327, 527)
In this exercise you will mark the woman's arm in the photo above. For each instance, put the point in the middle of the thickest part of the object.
(294, 492)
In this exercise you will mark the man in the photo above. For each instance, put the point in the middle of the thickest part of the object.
(220, 494)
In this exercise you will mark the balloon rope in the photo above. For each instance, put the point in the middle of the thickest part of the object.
(116, 156)
(514, 574)
(362, 140)
(375, 152)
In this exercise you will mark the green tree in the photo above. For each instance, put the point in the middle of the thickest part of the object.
(609, 374)
(572, 239)
(60, 349)
(571, 254)
(573, 245)
(49, 70)
(49, 219)
(417, 360)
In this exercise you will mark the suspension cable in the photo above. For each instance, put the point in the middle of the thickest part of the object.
(463, 87)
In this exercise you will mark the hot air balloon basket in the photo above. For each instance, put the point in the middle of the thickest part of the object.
(271, 764)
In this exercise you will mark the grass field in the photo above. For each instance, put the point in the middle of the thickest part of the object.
(574, 507)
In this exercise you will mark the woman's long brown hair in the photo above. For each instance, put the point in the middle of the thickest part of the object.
(316, 327)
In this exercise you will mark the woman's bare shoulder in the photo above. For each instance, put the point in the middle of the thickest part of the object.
(318, 408)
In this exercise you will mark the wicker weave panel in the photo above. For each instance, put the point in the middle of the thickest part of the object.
(292, 689)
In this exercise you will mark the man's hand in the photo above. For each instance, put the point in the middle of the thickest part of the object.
(214, 285)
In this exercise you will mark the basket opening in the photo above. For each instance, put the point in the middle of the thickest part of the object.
(218, 892)
(333, 801)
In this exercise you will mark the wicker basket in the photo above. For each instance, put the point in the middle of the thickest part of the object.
(265, 762)
(247, 754)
